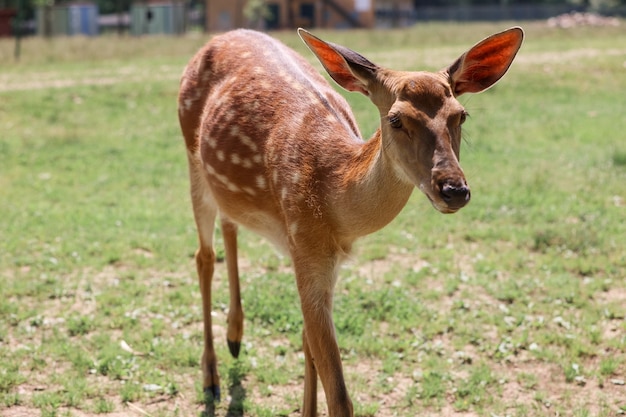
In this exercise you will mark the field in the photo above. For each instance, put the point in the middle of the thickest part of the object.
(515, 306)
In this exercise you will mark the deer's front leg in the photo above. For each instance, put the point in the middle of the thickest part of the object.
(309, 405)
(315, 285)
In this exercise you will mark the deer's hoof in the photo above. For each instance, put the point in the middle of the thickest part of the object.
(211, 395)
(234, 348)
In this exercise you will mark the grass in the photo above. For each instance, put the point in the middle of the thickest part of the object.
(514, 306)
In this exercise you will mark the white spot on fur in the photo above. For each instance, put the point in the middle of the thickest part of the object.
(235, 159)
(220, 155)
(249, 142)
(296, 85)
(246, 163)
(249, 191)
(311, 96)
(293, 228)
(209, 141)
(229, 115)
(260, 182)
(232, 187)
(222, 179)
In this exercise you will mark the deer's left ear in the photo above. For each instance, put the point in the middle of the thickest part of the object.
(349, 69)
(486, 62)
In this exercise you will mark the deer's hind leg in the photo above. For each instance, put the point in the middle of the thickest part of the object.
(205, 211)
(235, 311)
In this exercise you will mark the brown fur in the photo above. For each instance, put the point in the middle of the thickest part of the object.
(274, 148)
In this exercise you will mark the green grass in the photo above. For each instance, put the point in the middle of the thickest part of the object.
(514, 306)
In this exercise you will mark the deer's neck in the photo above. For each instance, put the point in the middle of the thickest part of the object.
(371, 192)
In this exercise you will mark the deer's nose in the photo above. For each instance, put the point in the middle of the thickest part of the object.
(455, 195)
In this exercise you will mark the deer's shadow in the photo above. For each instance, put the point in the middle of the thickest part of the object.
(236, 391)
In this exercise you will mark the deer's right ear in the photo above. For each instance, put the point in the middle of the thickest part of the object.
(349, 69)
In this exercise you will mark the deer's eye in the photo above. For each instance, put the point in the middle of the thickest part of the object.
(395, 121)
(463, 117)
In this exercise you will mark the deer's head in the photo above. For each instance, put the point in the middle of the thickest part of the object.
(421, 116)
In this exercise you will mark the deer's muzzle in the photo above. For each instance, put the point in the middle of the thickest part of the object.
(455, 196)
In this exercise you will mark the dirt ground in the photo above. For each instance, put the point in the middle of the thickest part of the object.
(591, 395)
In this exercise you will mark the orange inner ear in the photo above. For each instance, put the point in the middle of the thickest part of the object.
(487, 62)
(335, 65)
(496, 52)
(332, 61)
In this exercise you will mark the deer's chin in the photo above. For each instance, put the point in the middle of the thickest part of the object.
(448, 210)
(444, 209)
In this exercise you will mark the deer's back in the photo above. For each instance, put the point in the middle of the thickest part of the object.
(262, 121)
(245, 77)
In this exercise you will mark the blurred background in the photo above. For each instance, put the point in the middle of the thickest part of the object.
(140, 17)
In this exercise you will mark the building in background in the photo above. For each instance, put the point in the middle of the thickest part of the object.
(6, 21)
(68, 19)
(224, 15)
(157, 18)
(173, 17)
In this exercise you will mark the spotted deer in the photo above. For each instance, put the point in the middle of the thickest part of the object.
(274, 148)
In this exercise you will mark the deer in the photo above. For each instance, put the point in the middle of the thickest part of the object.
(272, 147)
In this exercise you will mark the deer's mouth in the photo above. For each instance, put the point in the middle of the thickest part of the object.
(441, 205)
